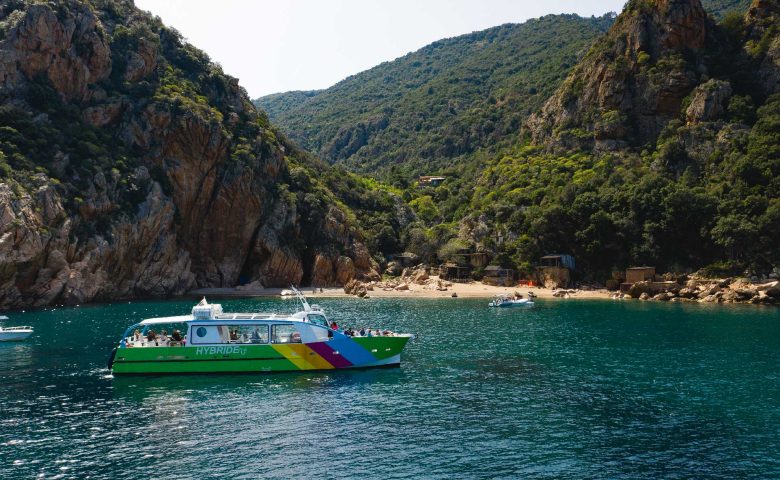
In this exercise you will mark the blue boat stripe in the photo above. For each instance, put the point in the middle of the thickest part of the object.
(351, 350)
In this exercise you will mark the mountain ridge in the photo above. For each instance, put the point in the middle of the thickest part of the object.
(475, 79)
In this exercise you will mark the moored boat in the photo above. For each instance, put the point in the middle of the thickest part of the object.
(15, 334)
(507, 301)
(217, 342)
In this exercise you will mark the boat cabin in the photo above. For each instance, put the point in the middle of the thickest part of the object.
(209, 326)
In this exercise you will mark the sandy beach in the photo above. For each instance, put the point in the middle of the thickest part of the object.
(463, 290)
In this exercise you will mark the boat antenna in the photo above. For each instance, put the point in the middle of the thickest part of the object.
(301, 298)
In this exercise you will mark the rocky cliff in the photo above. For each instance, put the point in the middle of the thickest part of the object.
(633, 81)
(131, 165)
(663, 60)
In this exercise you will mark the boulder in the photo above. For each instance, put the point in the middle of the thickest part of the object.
(687, 292)
(744, 294)
(351, 287)
(773, 290)
(403, 286)
(644, 296)
(356, 287)
(420, 276)
(729, 296)
(638, 289)
(394, 269)
(345, 270)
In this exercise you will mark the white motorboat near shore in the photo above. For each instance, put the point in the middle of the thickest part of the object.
(507, 301)
(15, 334)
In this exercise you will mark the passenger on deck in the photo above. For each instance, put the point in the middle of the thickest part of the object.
(378, 333)
(369, 333)
(234, 335)
(176, 338)
(334, 326)
(137, 335)
(295, 337)
(151, 337)
(164, 336)
(256, 338)
(362, 331)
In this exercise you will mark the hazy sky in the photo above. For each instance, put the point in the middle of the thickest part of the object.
(280, 45)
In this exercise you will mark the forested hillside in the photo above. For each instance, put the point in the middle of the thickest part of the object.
(437, 106)
(657, 148)
(661, 148)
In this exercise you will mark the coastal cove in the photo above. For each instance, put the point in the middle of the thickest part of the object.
(568, 388)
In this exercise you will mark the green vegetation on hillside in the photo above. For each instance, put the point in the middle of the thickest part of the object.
(437, 106)
(666, 208)
(43, 133)
(720, 8)
(704, 194)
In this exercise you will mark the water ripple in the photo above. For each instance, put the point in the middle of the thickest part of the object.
(564, 390)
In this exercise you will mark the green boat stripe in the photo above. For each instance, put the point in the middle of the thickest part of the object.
(201, 360)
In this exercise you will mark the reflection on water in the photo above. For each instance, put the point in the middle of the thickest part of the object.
(566, 389)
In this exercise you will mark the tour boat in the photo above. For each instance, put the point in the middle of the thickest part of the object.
(215, 342)
(14, 334)
(506, 301)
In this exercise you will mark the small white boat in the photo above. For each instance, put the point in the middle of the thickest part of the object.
(506, 301)
(14, 334)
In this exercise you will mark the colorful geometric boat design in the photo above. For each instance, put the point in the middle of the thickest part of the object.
(240, 343)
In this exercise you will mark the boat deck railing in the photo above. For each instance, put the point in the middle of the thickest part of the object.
(15, 329)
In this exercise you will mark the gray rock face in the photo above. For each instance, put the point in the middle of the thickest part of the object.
(709, 101)
(631, 83)
(211, 224)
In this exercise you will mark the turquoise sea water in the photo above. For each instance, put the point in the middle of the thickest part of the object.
(568, 389)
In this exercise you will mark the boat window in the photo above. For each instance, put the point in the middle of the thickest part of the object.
(230, 334)
(318, 320)
(248, 334)
(258, 333)
(285, 334)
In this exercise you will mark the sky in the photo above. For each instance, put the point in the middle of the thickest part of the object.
(281, 45)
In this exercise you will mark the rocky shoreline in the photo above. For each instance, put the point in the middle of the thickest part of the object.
(703, 290)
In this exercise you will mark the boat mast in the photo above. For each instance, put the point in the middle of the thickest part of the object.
(301, 298)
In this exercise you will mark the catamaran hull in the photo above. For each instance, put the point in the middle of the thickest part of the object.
(338, 353)
(14, 336)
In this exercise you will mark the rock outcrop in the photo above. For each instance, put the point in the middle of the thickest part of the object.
(632, 82)
(72, 52)
(706, 290)
(709, 101)
(178, 183)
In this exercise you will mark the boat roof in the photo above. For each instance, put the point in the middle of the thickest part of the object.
(159, 320)
(295, 317)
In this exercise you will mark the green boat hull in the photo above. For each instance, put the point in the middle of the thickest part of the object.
(338, 353)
